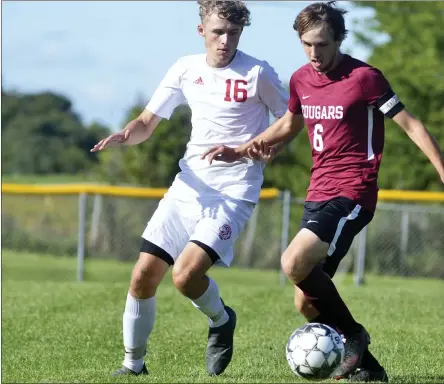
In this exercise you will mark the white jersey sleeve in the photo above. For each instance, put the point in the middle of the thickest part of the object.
(271, 91)
(168, 94)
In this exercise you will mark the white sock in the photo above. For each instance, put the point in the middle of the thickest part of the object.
(138, 322)
(211, 305)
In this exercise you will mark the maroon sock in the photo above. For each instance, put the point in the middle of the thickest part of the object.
(320, 290)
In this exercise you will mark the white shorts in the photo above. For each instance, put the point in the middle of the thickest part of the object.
(215, 222)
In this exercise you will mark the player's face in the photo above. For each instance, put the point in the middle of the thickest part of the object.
(321, 48)
(221, 40)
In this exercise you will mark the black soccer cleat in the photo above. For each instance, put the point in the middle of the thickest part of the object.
(126, 371)
(364, 375)
(220, 345)
(355, 346)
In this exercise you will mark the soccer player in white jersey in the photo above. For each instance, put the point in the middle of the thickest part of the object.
(197, 222)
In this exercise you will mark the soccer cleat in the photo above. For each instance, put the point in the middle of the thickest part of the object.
(355, 347)
(220, 345)
(126, 371)
(364, 375)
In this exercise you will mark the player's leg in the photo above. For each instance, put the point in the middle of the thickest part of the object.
(212, 242)
(306, 307)
(300, 263)
(302, 304)
(369, 369)
(161, 241)
(189, 276)
(140, 308)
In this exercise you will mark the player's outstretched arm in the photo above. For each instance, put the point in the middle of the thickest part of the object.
(282, 130)
(135, 132)
(422, 138)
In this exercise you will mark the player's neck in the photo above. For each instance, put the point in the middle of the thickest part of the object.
(336, 61)
(214, 64)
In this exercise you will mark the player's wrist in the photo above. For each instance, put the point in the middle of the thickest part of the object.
(241, 151)
(125, 136)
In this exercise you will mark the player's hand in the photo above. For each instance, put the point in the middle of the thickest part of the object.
(261, 151)
(112, 140)
(222, 153)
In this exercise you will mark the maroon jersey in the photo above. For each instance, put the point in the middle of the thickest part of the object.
(344, 113)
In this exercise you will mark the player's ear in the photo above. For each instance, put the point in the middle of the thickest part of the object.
(200, 30)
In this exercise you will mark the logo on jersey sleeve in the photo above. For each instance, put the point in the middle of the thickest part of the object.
(325, 112)
(224, 232)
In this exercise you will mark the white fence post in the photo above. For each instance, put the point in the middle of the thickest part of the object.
(250, 234)
(95, 221)
(360, 257)
(404, 240)
(286, 211)
(81, 237)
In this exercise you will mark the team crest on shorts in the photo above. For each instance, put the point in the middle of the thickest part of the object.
(225, 232)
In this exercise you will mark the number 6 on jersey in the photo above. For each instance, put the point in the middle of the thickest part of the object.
(318, 144)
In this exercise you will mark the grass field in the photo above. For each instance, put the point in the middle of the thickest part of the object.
(55, 329)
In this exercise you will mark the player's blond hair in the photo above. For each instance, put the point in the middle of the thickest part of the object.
(235, 12)
(318, 14)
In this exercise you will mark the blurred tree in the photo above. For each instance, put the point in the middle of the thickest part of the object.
(412, 59)
(42, 134)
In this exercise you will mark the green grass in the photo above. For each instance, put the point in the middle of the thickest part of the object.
(55, 329)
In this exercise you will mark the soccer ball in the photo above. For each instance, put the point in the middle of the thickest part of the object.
(314, 351)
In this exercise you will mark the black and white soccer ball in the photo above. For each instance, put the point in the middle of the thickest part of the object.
(314, 351)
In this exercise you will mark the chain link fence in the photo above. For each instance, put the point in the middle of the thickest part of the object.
(406, 240)
(49, 224)
(402, 239)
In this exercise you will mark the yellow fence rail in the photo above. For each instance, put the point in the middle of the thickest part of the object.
(417, 196)
(109, 190)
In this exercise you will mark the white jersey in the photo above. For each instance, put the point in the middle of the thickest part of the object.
(229, 106)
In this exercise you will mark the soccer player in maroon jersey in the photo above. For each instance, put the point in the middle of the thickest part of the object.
(343, 102)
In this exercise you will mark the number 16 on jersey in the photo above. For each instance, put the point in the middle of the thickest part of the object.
(239, 94)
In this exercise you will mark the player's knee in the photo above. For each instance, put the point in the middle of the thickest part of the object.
(292, 265)
(143, 285)
(182, 279)
(303, 254)
(145, 279)
(287, 264)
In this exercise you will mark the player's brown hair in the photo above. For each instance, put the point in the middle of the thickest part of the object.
(317, 14)
(234, 11)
